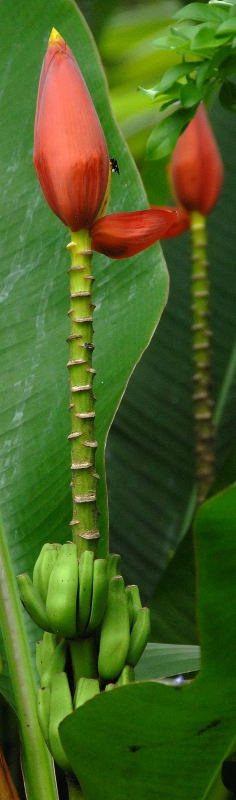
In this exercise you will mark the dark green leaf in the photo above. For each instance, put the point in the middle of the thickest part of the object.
(174, 73)
(165, 660)
(229, 26)
(172, 41)
(163, 138)
(173, 608)
(190, 95)
(204, 38)
(228, 66)
(152, 734)
(201, 12)
(204, 72)
(186, 32)
(227, 95)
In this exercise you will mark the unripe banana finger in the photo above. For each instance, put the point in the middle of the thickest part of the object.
(56, 663)
(84, 658)
(48, 560)
(32, 602)
(113, 565)
(139, 636)
(37, 566)
(86, 689)
(85, 589)
(99, 594)
(60, 707)
(115, 634)
(134, 602)
(109, 686)
(44, 651)
(62, 592)
(126, 676)
(43, 709)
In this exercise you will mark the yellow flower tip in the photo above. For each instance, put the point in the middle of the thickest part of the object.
(55, 37)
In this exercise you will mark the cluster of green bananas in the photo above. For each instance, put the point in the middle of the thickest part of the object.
(68, 673)
(124, 630)
(77, 599)
(60, 663)
(66, 596)
(95, 632)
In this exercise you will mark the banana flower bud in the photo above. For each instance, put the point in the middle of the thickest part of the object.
(196, 168)
(70, 152)
(125, 234)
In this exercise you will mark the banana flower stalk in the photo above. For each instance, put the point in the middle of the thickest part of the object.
(74, 169)
(196, 173)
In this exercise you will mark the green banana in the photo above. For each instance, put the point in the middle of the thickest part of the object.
(85, 589)
(43, 709)
(62, 592)
(126, 676)
(84, 658)
(86, 689)
(139, 636)
(60, 707)
(32, 602)
(115, 634)
(37, 567)
(44, 651)
(55, 664)
(109, 686)
(99, 594)
(49, 557)
(113, 565)
(134, 602)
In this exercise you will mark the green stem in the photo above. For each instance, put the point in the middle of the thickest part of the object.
(37, 764)
(74, 790)
(202, 397)
(81, 373)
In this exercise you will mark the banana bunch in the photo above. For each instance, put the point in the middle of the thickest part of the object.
(124, 633)
(67, 597)
(95, 627)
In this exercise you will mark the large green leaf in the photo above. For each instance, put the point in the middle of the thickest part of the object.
(151, 444)
(151, 740)
(173, 609)
(129, 295)
(166, 660)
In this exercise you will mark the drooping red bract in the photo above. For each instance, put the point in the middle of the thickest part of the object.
(70, 152)
(125, 234)
(196, 168)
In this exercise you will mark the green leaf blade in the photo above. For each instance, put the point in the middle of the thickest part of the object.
(35, 458)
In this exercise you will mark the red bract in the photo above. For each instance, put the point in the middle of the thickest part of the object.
(123, 235)
(196, 168)
(70, 152)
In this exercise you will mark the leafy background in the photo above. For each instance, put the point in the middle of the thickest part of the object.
(150, 448)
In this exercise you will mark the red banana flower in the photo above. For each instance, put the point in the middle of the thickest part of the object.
(123, 235)
(196, 168)
(72, 163)
(70, 152)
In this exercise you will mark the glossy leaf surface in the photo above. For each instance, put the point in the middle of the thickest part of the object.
(165, 660)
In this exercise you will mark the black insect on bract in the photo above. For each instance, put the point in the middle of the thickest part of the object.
(114, 165)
